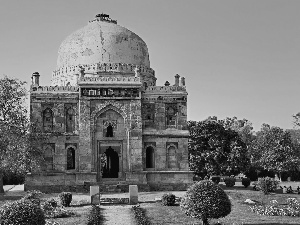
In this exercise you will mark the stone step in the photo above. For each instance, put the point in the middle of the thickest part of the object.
(114, 187)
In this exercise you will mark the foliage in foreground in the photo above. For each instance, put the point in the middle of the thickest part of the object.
(95, 216)
(140, 216)
(205, 200)
(274, 209)
(22, 212)
(168, 199)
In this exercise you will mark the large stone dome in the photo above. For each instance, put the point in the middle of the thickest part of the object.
(102, 41)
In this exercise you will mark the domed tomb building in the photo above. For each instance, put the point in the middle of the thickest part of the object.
(105, 120)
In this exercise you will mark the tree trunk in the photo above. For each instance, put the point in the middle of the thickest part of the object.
(205, 221)
(279, 176)
(1, 183)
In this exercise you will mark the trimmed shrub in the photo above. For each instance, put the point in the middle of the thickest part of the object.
(22, 212)
(216, 179)
(168, 199)
(267, 184)
(229, 181)
(95, 217)
(65, 198)
(205, 200)
(246, 182)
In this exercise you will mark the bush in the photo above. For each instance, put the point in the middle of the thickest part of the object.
(267, 184)
(22, 212)
(168, 199)
(52, 202)
(140, 216)
(216, 180)
(65, 198)
(229, 181)
(49, 205)
(95, 216)
(204, 200)
(246, 182)
(34, 196)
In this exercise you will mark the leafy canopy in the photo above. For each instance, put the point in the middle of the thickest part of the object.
(213, 149)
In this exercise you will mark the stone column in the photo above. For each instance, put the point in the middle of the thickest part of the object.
(85, 150)
(35, 79)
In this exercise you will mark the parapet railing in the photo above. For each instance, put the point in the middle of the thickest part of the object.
(165, 89)
(54, 89)
(109, 79)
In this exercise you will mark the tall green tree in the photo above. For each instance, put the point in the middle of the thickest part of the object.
(274, 150)
(242, 126)
(215, 150)
(19, 147)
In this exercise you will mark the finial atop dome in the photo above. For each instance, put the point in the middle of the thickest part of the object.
(103, 17)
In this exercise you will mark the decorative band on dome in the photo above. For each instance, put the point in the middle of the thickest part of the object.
(104, 67)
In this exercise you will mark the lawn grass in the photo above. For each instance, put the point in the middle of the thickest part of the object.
(240, 214)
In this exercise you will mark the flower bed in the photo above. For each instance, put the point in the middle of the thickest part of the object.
(292, 208)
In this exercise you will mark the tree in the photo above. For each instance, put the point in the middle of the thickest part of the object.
(243, 127)
(19, 148)
(273, 149)
(296, 119)
(215, 150)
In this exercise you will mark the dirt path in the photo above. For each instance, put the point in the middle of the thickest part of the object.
(117, 215)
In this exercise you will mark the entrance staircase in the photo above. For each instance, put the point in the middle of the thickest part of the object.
(110, 185)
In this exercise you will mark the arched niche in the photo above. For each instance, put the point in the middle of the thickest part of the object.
(109, 124)
(47, 120)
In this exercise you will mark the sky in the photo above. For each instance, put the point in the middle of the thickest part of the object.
(240, 58)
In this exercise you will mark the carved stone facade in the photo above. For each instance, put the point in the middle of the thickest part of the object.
(113, 124)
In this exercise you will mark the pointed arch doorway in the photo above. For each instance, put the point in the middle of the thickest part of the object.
(109, 160)
(110, 163)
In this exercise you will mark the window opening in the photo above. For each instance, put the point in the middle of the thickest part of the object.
(149, 157)
(109, 131)
(70, 159)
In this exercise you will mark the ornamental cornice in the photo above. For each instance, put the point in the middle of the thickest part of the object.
(99, 68)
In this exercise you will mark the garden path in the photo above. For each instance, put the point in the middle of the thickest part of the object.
(117, 214)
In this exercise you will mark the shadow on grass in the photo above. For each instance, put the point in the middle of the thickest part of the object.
(224, 187)
(8, 197)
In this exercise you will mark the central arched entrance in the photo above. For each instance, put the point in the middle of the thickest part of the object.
(110, 167)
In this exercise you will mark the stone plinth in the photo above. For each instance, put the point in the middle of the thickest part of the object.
(133, 194)
(95, 195)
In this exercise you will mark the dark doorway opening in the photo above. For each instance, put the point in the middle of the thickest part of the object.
(109, 131)
(149, 157)
(111, 167)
